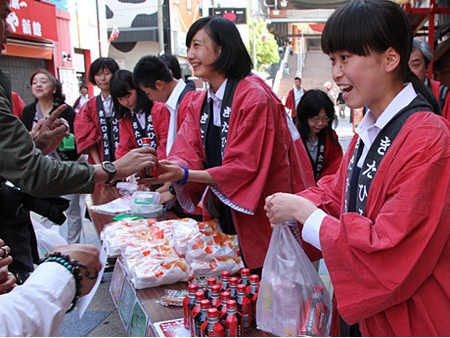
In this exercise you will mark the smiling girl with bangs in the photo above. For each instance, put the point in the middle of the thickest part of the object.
(382, 222)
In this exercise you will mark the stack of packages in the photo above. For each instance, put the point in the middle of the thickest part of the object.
(158, 253)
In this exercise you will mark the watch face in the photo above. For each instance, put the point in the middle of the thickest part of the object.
(109, 167)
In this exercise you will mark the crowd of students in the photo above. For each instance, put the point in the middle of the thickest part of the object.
(378, 215)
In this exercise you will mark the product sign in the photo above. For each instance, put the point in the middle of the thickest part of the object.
(33, 20)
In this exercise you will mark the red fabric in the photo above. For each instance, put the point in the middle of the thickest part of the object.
(17, 104)
(87, 129)
(290, 104)
(256, 161)
(435, 85)
(160, 124)
(390, 269)
(332, 156)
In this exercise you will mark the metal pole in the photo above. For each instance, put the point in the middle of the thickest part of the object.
(160, 27)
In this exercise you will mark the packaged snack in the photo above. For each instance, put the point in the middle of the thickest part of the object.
(173, 297)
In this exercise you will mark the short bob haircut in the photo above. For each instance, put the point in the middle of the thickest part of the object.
(310, 105)
(366, 26)
(148, 70)
(100, 64)
(172, 62)
(121, 84)
(233, 60)
(58, 96)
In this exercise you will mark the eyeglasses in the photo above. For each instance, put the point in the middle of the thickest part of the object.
(318, 119)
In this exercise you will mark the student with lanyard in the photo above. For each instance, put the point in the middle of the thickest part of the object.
(96, 127)
(315, 115)
(234, 146)
(382, 222)
(156, 80)
(139, 117)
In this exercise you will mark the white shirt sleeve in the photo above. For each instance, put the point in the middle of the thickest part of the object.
(38, 307)
(311, 228)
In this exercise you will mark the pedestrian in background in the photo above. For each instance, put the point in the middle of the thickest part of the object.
(82, 99)
(294, 96)
(420, 63)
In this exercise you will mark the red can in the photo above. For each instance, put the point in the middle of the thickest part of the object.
(199, 295)
(232, 320)
(314, 315)
(215, 295)
(188, 301)
(212, 327)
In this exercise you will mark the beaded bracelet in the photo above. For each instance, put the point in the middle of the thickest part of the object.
(75, 269)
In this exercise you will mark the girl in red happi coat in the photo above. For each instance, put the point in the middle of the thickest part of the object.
(382, 221)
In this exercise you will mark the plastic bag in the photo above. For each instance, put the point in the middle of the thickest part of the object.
(292, 299)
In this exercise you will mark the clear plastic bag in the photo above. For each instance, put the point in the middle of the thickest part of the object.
(292, 299)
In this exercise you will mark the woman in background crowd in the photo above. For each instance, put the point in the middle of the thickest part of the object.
(47, 91)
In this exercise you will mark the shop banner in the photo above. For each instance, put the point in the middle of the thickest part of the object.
(33, 20)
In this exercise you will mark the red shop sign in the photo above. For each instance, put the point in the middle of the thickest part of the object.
(33, 20)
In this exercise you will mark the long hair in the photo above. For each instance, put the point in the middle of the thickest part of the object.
(120, 86)
(310, 105)
(233, 60)
(58, 96)
(366, 26)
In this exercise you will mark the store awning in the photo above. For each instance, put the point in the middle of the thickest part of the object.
(29, 49)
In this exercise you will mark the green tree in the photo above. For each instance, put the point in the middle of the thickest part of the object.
(266, 45)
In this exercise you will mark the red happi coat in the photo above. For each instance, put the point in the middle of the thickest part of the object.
(332, 156)
(390, 268)
(87, 129)
(435, 85)
(256, 162)
(160, 124)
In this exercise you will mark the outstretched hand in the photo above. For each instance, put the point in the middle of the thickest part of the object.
(167, 172)
(49, 133)
(135, 161)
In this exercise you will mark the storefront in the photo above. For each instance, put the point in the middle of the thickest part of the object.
(39, 39)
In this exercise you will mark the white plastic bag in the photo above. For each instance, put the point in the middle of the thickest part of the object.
(47, 238)
(292, 299)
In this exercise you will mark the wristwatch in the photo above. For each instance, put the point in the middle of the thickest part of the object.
(172, 190)
(110, 169)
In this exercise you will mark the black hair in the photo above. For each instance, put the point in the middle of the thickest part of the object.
(148, 70)
(233, 60)
(100, 64)
(84, 86)
(310, 105)
(58, 96)
(366, 26)
(297, 78)
(172, 62)
(120, 86)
